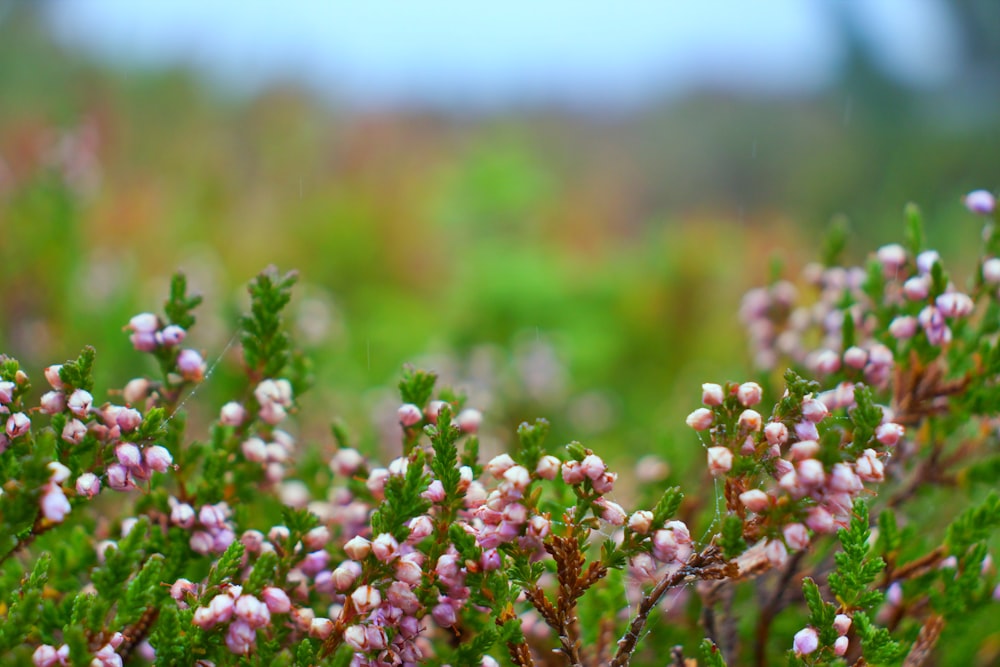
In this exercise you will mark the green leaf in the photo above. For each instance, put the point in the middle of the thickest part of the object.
(733, 543)
(417, 386)
(711, 656)
(667, 506)
(179, 305)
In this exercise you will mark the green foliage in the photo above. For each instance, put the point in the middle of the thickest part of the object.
(821, 614)
(866, 417)
(531, 438)
(856, 570)
(266, 346)
(877, 645)
(916, 238)
(733, 543)
(179, 305)
(710, 654)
(835, 241)
(667, 506)
(79, 373)
(417, 386)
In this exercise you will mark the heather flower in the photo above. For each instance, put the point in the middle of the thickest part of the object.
(232, 414)
(980, 202)
(469, 420)
(17, 425)
(88, 484)
(641, 521)
(357, 548)
(51, 402)
(54, 504)
(366, 598)
(548, 467)
(755, 500)
(806, 641)
(700, 420)
(409, 414)
(191, 366)
(712, 394)
(749, 394)
(51, 376)
(720, 460)
(79, 403)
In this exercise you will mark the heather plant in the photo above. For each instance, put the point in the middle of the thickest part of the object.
(844, 515)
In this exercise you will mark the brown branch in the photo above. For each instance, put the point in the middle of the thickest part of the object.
(925, 643)
(519, 652)
(775, 603)
(706, 565)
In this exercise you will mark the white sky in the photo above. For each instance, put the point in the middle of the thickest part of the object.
(469, 53)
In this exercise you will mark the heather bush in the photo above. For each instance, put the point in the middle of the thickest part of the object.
(844, 514)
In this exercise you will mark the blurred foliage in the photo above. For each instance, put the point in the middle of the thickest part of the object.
(583, 269)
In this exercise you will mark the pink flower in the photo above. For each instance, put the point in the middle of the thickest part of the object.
(232, 414)
(641, 521)
(720, 460)
(796, 536)
(840, 645)
(750, 420)
(776, 433)
(276, 600)
(143, 323)
(469, 420)
(749, 394)
(18, 424)
(240, 637)
(700, 420)
(357, 548)
(191, 366)
(79, 403)
(385, 547)
(572, 472)
(755, 500)
(842, 624)
(498, 465)
(52, 402)
(548, 467)
(409, 414)
(980, 202)
(51, 376)
(172, 335)
(88, 484)
(806, 641)
(712, 394)
(611, 512)
(366, 598)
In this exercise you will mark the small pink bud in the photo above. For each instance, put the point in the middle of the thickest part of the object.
(814, 410)
(605, 483)
(700, 420)
(980, 202)
(119, 478)
(143, 323)
(991, 271)
(232, 414)
(444, 615)
(357, 548)
(356, 637)
(894, 594)
(88, 484)
(612, 512)
(158, 458)
(518, 477)
(926, 260)
(776, 433)
(366, 598)
(276, 600)
(46, 656)
(640, 521)
(855, 357)
(755, 500)
(433, 409)
(592, 466)
(827, 362)
(749, 394)
(842, 624)
(469, 420)
(345, 574)
(58, 472)
(435, 492)
(52, 376)
(892, 257)
(806, 641)
(572, 472)
(222, 607)
(498, 465)
(548, 467)
(240, 638)
(409, 414)
(954, 304)
(903, 327)
(172, 335)
(80, 402)
(720, 460)
(840, 646)
(52, 402)
(385, 547)
(191, 365)
(869, 468)
(346, 462)
(796, 536)
(136, 390)
(802, 450)
(811, 473)
(750, 420)
(820, 521)
(712, 394)
(128, 455)
(420, 527)
(408, 571)
(889, 433)
(18, 424)
(54, 504)
(776, 552)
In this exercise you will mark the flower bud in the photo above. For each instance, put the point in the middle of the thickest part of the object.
(612, 512)
(276, 600)
(712, 394)
(827, 362)
(755, 500)
(54, 504)
(805, 642)
(889, 433)
(842, 624)
(720, 460)
(954, 304)
(892, 257)
(191, 365)
(750, 420)
(409, 414)
(903, 327)
(469, 420)
(498, 465)
(700, 420)
(80, 402)
(232, 414)
(840, 645)
(385, 547)
(640, 521)
(917, 288)
(796, 536)
(776, 433)
(991, 271)
(52, 376)
(749, 394)
(518, 477)
(357, 548)
(366, 598)
(52, 402)
(980, 202)
(157, 458)
(776, 552)
(548, 467)
(88, 484)
(572, 472)
(592, 466)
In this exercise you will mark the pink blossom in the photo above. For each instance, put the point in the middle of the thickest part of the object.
(720, 460)
(52, 402)
(469, 420)
(80, 402)
(700, 420)
(51, 376)
(712, 394)
(88, 484)
(366, 598)
(755, 500)
(357, 548)
(749, 394)
(640, 521)
(240, 637)
(18, 424)
(191, 366)
(548, 467)
(806, 641)
(276, 600)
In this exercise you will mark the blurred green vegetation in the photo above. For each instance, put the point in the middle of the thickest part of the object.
(586, 269)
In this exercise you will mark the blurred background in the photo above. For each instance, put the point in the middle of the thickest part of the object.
(556, 205)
